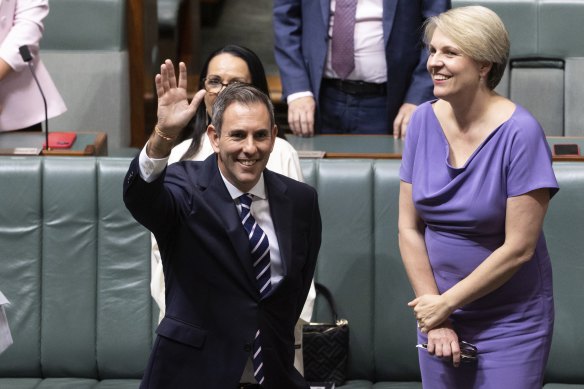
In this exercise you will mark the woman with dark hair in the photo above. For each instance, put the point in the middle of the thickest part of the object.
(228, 65)
(255, 75)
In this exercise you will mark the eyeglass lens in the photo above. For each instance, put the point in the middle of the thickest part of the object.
(214, 85)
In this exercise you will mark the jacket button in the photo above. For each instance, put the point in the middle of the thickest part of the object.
(247, 347)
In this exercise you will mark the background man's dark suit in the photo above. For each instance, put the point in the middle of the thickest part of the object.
(301, 31)
(213, 303)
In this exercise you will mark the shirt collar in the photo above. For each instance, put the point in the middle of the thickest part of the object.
(259, 189)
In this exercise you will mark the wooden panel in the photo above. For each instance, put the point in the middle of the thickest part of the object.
(142, 40)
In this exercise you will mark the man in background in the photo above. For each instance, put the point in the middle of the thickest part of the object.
(353, 66)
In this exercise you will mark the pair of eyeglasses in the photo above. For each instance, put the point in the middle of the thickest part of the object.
(468, 351)
(214, 85)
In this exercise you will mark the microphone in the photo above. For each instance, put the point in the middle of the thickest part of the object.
(25, 53)
(27, 57)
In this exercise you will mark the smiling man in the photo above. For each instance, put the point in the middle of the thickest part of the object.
(231, 308)
(243, 135)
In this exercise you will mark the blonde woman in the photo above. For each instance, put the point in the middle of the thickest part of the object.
(476, 182)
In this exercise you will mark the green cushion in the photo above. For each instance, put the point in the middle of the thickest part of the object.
(563, 228)
(520, 18)
(19, 383)
(85, 25)
(20, 270)
(560, 28)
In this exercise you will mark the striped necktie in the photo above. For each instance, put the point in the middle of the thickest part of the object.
(259, 247)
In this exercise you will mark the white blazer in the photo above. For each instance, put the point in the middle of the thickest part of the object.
(21, 104)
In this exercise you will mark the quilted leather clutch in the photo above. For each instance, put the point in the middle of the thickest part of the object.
(326, 346)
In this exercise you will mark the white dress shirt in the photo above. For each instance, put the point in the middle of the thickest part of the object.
(260, 210)
(370, 63)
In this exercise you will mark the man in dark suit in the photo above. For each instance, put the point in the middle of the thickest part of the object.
(387, 81)
(232, 302)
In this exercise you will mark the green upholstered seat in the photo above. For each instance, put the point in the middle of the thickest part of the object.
(76, 267)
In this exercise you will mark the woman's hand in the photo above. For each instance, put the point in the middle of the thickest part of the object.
(443, 343)
(174, 111)
(430, 311)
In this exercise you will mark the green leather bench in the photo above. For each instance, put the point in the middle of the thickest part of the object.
(76, 268)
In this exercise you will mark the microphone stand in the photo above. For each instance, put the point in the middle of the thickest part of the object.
(27, 57)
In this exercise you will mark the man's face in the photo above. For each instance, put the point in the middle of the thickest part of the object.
(245, 143)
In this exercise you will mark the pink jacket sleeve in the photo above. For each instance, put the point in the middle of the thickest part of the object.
(21, 23)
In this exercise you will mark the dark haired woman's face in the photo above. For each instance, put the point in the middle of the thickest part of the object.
(225, 68)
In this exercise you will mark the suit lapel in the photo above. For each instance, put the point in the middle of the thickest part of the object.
(389, 7)
(281, 212)
(217, 197)
(325, 10)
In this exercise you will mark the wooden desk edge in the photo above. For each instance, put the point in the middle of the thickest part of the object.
(331, 155)
(97, 149)
(568, 158)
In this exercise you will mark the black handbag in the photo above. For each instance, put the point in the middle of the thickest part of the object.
(326, 346)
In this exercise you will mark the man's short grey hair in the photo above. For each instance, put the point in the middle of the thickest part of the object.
(243, 94)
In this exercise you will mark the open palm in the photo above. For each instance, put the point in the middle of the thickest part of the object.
(174, 110)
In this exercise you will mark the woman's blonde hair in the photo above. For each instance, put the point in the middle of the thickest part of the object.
(479, 33)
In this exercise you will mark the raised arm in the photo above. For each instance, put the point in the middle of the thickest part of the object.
(174, 110)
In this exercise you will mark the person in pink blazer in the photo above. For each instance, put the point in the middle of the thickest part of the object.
(21, 104)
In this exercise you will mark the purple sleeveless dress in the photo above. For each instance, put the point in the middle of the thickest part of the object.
(464, 211)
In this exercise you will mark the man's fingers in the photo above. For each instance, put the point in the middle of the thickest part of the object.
(164, 78)
(159, 87)
(197, 99)
(397, 126)
(306, 124)
(182, 75)
(171, 74)
(295, 123)
(301, 116)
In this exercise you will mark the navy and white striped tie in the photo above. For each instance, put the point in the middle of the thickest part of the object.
(260, 253)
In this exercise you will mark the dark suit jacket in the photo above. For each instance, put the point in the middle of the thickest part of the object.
(213, 307)
(301, 33)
